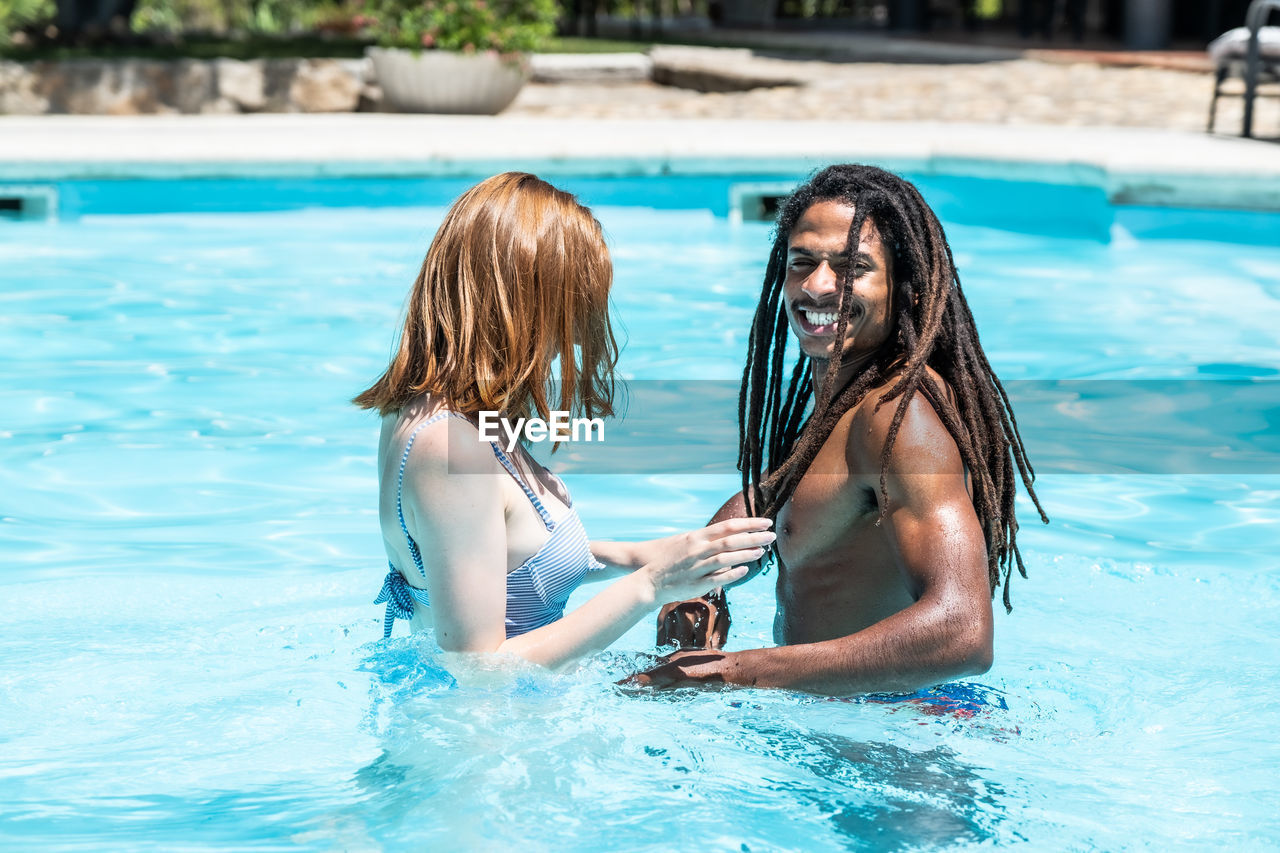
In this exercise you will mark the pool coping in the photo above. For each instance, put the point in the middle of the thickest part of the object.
(1132, 166)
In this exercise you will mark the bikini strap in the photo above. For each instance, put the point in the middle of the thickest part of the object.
(511, 469)
(404, 460)
(497, 451)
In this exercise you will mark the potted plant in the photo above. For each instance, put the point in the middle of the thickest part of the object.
(455, 56)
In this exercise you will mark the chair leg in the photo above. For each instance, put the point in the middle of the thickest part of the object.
(1219, 77)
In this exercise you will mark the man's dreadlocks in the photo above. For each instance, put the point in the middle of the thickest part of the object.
(933, 328)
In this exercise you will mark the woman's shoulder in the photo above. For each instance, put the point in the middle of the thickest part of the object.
(437, 452)
(438, 442)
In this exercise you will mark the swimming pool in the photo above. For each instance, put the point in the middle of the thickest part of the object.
(189, 549)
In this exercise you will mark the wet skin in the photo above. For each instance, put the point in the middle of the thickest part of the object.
(862, 606)
(821, 593)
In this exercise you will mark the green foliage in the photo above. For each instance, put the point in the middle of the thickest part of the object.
(261, 17)
(268, 28)
(502, 26)
(990, 9)
(304, 46)
(173, 16)
(16, 14)
(505, 26)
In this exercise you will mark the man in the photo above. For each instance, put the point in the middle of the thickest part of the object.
(891, 455)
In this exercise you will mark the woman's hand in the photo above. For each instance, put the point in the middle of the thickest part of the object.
(689, 564)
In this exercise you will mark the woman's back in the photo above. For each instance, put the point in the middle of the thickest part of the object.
(546, 549)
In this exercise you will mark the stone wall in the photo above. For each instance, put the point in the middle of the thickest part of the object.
(137, 86)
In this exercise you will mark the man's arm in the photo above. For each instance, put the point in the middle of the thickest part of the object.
(736, 507)
(938, 543)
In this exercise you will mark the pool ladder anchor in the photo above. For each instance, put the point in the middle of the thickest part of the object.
(28, 201)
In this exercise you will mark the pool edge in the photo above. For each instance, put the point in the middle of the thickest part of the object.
(1131, 166)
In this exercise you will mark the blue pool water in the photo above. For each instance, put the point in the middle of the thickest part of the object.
(189, 549)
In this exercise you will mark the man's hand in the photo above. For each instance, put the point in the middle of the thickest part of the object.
(699, 623)
(685, 669)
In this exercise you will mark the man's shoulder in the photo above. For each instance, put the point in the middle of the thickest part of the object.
(921, 429)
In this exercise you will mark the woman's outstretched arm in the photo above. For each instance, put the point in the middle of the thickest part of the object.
(459, 522)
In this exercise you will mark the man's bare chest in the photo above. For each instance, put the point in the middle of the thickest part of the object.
(832, 506)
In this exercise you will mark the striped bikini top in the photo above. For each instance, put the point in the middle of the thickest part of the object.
(537, 591)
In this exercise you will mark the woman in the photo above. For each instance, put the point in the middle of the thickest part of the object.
(484, 546)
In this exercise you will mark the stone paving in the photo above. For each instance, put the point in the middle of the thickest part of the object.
(874, 81)
(1018, 91)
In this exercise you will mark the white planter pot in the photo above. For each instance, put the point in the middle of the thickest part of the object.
(440, 81)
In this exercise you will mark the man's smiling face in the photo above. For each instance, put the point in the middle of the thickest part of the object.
(818, 258)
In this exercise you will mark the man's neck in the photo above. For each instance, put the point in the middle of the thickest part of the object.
(851, 367)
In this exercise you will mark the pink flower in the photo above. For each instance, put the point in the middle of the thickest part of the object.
(428, 40)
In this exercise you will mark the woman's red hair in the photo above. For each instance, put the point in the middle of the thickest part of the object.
(517, 275)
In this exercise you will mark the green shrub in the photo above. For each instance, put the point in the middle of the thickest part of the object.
(502, 26)
(175, 16)
(267, 17)
(989, 8)
(16, 14)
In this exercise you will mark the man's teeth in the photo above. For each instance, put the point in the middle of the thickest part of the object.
(820, 318)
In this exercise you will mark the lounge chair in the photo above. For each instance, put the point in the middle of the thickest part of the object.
(1251, 52)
